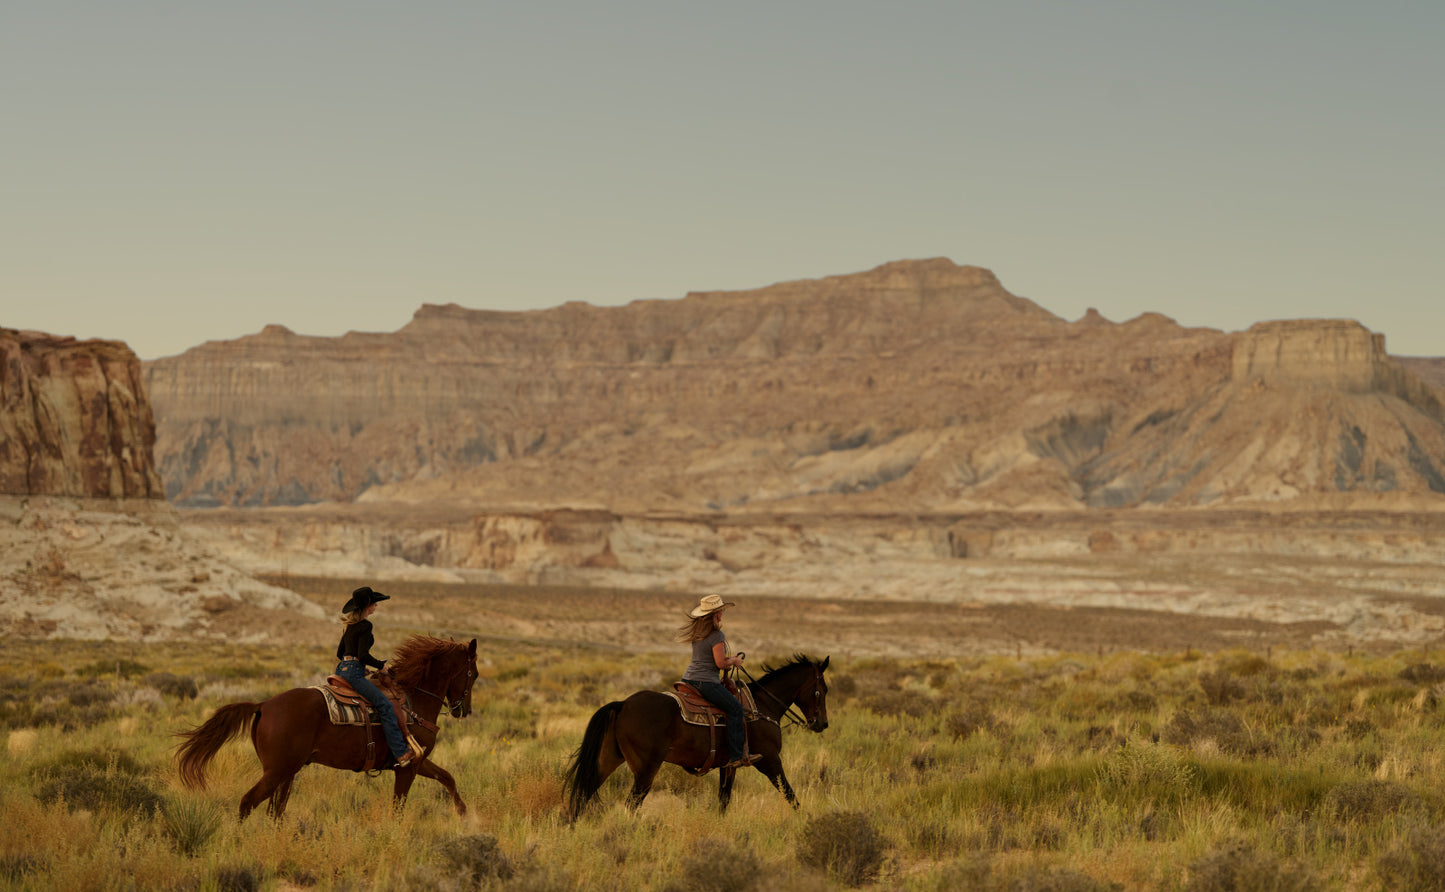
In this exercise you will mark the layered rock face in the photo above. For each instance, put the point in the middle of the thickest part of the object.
(74, 419)
(919, 386)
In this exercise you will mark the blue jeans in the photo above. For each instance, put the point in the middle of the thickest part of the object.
(354, 671)
(718, 695)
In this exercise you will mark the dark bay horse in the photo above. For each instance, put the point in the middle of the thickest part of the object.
(647, 729)
(292, 729)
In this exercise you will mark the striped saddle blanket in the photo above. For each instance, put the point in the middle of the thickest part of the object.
(347, 712)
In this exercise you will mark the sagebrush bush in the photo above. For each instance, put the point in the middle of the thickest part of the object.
(239, 878)
(1418, 864)
(1358, 800)
(1220, 687)
(474, 858)
(121, 668)
(1423, 673)
(1158, 772)
(844, 844)
(1239, 867)
(717, 865)
(1048, 879)
(182, 687)
(95, 779)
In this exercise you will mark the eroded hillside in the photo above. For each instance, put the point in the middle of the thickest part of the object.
(916, 386)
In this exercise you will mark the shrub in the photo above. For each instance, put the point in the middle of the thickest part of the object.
(844, 844)
(1220, 687)
(121, 668)
(182, 687)
(715, 865)
(18, 867)
(1153, 770)
(1236, 867)
(1056, 879)
(1423, 673)
(96, 790)
(1418, 864)
(1363, 799)
(1219, 725)
(190, 823)
(97, 778)
(238, 879)
(965, 724)
(99, 759)
(475, 859)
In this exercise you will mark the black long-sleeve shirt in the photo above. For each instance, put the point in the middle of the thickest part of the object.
(356, 641)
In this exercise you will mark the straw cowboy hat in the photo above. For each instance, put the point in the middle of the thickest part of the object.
(710, 604)
(363, 598)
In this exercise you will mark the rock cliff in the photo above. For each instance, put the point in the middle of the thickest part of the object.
(74, 419)
(916, 386)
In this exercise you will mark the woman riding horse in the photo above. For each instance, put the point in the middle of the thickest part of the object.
(648, 729)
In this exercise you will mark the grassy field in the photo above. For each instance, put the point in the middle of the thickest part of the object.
(1225, 770)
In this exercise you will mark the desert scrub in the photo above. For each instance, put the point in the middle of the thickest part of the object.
(845, 845)
(1051, 773)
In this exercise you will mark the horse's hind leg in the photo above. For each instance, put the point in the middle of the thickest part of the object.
(277, 806)
(642, 777)
(427, 769)
(272, 781)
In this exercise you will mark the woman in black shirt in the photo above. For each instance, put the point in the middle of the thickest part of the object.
(353, 655)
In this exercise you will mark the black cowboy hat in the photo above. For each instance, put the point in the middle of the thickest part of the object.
(363, 598)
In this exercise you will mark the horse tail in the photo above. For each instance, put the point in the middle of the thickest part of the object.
(199, 745)
(584, 778)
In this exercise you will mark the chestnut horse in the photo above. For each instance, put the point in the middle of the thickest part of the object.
(647, 729)
(292, 729)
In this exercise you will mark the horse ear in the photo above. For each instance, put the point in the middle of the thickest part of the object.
(824, 665)
(472, 648)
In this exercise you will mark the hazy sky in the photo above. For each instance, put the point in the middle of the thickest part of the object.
(177, 172)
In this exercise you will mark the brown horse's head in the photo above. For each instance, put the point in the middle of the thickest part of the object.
(438, 668)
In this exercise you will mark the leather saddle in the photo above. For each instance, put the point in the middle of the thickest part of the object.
(696, 710)
(346, 706)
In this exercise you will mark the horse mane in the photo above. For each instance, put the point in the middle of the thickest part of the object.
(408, 663)
(771, 671)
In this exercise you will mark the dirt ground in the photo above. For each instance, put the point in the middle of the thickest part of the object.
(773, 628)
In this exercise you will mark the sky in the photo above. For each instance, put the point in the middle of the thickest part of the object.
(179, 172)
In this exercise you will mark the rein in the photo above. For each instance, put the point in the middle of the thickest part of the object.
(446, 704)
(792, 715)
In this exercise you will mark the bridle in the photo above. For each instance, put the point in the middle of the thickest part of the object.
(793, 715)
(448, 705)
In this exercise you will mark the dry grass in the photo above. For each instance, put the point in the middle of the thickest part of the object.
(1225, 770)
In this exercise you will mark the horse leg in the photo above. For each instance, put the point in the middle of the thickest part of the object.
(272, 780)
(283, 750)
(277, 805)
(427, 769)
(725, 779)
(644, 762)
(772, 767)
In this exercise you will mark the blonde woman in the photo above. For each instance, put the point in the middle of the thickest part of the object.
(353, 655)
(709, 658)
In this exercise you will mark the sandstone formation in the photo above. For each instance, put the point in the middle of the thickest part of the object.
(125, 569)
(74, 419)
(88, 547)
(919, 386)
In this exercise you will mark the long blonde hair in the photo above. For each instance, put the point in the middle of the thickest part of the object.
(697, 628)
(350, 618)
